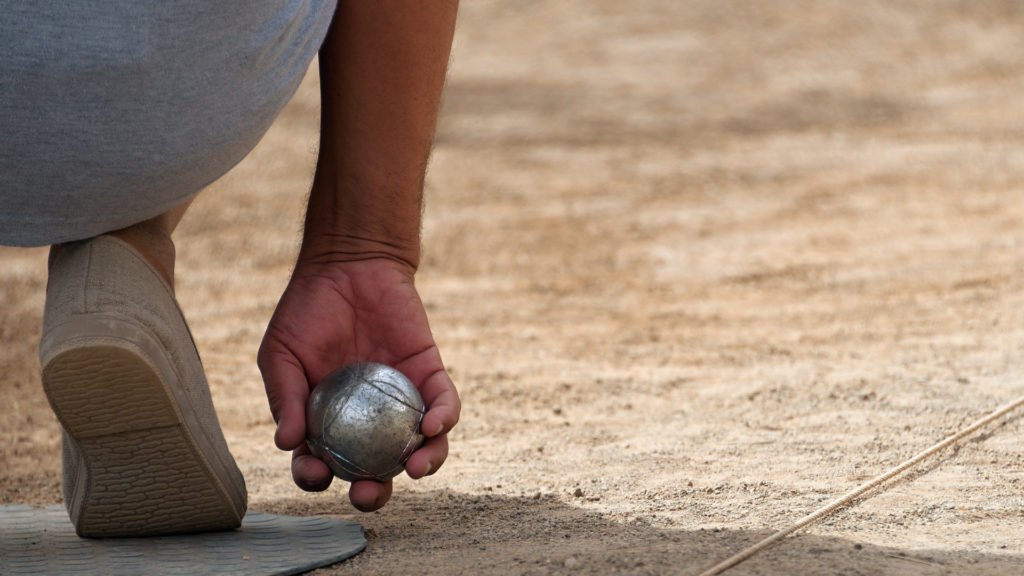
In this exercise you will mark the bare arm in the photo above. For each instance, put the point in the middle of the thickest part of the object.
(382, 70)
(352, 296)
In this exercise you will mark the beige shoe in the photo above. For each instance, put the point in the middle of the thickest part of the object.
(143, 451)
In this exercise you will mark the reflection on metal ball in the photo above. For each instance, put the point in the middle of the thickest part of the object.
(363, 420)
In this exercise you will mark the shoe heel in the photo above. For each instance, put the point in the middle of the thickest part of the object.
(140, 468)
(101, 389)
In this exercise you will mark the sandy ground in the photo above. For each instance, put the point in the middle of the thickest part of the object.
(698, 267)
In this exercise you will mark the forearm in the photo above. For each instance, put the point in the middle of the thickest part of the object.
(382, 71)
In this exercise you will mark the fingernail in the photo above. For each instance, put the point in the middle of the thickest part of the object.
(430, 468)
(440, 429)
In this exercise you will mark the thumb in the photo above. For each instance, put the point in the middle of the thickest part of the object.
(287, 391)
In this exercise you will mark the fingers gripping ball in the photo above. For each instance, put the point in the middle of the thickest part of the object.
(363, 420)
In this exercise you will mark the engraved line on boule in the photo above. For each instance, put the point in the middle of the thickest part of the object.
(403, 401)
(344, 460)
(406, 453)
(401, 389)
(412, 440)
(336, 413)
(392, 472)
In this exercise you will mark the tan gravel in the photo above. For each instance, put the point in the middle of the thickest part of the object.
(698, 267)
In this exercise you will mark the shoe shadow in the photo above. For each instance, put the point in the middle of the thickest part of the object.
(439, 532)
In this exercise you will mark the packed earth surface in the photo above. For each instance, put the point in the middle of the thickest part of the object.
(696, 267)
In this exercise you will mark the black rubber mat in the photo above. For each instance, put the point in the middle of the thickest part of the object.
(36, 541)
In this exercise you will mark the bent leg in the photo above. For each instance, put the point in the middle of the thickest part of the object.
(152, 239)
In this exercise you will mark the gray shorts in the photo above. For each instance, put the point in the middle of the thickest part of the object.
(114, 111)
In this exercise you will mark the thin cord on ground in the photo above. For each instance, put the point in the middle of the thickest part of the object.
(861, 490)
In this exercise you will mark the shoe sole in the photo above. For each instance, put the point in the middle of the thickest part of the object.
(146, 467)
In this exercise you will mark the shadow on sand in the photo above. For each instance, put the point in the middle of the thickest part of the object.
(443, 533)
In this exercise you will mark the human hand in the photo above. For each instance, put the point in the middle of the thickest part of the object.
(336, 313)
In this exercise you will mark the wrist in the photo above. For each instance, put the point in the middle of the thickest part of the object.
(358, 219)
(329, 249)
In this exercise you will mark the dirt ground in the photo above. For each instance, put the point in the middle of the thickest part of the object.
(697, 267)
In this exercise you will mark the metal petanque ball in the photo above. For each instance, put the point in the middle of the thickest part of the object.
(363, 421)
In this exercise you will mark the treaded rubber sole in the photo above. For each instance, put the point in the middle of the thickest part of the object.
(142, 468)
